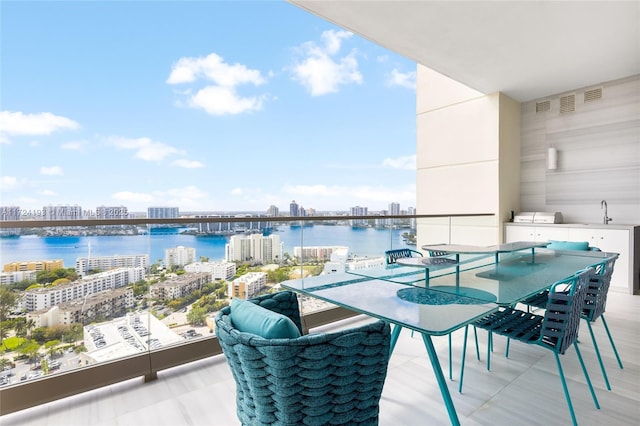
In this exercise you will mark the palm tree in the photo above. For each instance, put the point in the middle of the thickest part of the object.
(20, 327)
(30, 325)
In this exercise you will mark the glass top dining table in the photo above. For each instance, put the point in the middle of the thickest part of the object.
(429, 312)
(515, 277)
(454, 296)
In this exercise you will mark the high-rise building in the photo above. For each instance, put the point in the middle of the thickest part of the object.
(254, 248)
(358, 211)
(112, 212)
(61, 212)
(394, 209)
(273, 211)
(294, 209)
(163, 212)
(412, 222)
(10, 213)
(179, 256)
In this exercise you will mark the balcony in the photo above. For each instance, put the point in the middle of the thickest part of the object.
(190, 383)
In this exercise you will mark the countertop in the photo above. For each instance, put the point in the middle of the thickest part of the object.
(577, 225)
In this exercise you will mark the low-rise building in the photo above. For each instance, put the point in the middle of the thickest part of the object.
(248, 285)
(179, 286)
(46, 297)
(33, 265)
(218, 270)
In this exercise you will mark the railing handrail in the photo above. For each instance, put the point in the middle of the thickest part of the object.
(9, 224)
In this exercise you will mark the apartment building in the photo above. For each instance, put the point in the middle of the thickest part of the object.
(359, 211)
(15, 277)
(96, 306)
(248, 285)
(46, 297)
(179, 286)
(179, 256)
(218, 270)
(105, 263)
(318, 253)
(254, 248)
(35, 265)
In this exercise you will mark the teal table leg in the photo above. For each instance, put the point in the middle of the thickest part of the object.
(394, 337)
(444, 390)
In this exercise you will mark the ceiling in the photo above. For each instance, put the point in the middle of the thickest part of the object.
(525, 49)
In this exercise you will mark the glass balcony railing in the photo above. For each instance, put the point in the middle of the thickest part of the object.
(88, 303)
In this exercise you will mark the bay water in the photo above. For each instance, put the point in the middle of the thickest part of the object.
(370, 242)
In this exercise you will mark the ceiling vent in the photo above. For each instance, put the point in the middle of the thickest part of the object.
(567, 104)
(543, 106)
(593, 95)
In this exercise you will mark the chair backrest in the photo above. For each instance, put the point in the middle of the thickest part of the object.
(393, 255)
(315, 379)
(596, 300)
(561, 321)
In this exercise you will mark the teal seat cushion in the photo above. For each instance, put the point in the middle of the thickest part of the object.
(251, 318)
(568, 245)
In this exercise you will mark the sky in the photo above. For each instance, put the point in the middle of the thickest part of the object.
(201, 105)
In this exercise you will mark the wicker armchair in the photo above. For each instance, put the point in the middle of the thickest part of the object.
(316, 379)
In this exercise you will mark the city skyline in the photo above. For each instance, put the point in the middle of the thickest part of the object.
(77, 211)
(209, 106)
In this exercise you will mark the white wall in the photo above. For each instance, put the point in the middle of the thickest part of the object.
(468, 151)
(598, 155)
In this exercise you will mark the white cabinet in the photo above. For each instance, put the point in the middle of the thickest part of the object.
(624, 240)
(535, 233)
(611, 240)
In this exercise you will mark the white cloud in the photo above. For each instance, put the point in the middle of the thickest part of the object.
(220, 98)
(213, 68)
(73, 146)
(45, 123)
(319, 72)
(185, 192)
(237, 191)
(48, 193)
(132, 196)
(188, 164)
(188, 198)
(346, 196)
(401, 79)
(405, 163)
(51, 171)
(8, 183)
(145, 148)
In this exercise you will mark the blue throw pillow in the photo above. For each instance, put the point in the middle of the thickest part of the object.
(251, 318)
(568, 245)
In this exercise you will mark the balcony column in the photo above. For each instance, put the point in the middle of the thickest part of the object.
(468, 160)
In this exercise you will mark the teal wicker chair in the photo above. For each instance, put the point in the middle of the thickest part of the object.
(316, 379)
(391, 256)
(556, 331)
(594, 307)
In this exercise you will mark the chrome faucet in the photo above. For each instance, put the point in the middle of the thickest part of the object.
(603, 205)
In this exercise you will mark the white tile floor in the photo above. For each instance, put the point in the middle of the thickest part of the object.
(522, 390)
